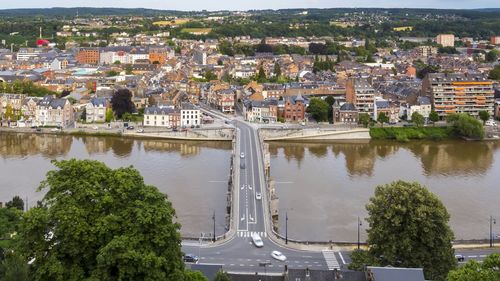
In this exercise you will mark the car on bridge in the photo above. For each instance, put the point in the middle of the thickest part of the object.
(278, 256)
(257, 241)
(242, 155)
(258, 195)
(191, 258)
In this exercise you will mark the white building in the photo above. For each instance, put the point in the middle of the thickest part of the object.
(423, 107)
(95, 110)
(190, 116)
(166, 117)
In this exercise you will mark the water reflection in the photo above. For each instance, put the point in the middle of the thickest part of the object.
(22, 145)
(437, 158)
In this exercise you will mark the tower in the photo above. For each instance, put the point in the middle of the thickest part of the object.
(41, 32)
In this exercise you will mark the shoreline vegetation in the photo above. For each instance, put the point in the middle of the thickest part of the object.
(405, 134)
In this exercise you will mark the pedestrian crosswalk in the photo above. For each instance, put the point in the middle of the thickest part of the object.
(249, 234)
(331, 260)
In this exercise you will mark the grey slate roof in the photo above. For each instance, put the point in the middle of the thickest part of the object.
(396, 274)
(159, 110)
(348, 107)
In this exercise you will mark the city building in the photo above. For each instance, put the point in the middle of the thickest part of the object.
(54, 112)
(95, 110)
(345, 114)
(294, 109)
(190, 115)
(427, 51)
(459, 93)
(88, 56)
(167, 117)
(360, 93)
(446, 40)
(261, 111)
(495, 40)
(423, 107)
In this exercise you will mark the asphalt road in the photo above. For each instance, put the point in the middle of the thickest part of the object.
(239, 254)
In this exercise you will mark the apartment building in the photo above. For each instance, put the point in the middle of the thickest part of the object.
(427, 51)
(495, 40)
(360, 93)
(190, 116)
(446, 40)
(459, 93)
(88, 56)
(167, 117)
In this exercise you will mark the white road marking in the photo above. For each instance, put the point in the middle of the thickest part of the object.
(342, 258)
(331, 260)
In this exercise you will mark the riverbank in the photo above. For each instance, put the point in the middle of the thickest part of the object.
(213, 134)
(405, 134)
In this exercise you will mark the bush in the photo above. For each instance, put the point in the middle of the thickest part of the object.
(405, 134)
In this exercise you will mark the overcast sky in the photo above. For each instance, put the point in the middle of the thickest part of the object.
(251, 4)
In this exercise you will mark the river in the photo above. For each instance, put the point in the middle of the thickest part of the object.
(325, 187)
(193, 174)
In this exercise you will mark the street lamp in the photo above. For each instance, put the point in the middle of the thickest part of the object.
(492, 222)
(213, 218)
(359, 224)
(286, 227)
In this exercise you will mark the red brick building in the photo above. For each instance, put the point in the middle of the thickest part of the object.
(88, 56)
(294, 109)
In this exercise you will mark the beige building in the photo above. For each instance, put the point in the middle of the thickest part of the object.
(446, 40)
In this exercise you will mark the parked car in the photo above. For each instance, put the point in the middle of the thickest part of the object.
(460, 258)
(130, 127)
(257, 241)
(55, 130)
(95, 128)
(191, 258)
(278, 256)
(490, 122)
(140, 131)
(258, 195)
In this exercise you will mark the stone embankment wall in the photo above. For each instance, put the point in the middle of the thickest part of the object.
(313, 134)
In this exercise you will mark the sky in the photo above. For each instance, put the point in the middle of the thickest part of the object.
(194, 5)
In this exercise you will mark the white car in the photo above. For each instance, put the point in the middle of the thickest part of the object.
(278, 256)
(491, 122)
(258, 195)
(242, 155)
(257, 241)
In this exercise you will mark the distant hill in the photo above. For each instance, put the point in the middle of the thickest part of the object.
(86, 12)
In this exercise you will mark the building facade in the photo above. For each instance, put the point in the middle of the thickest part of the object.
(446, 40)
(360, 93)
(190, 116)
(166, 117)
(459, 93)
(294, 109)
(345, 114)
(88, 56)
(95, 110)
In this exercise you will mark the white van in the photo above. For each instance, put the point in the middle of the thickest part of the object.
(491, 122)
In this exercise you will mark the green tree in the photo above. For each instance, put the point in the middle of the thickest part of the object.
(222, 276)
(364, 119)
(121, 102)
(492, 56)
(473, 270)
(417, 119)
(495, 73)
(128, 69)
(96, 223)
(261, 76)
(408, 227)
(209, 76)
(466, 125)
(360, 259)
(318, 108)
(16, 202)
(14, 268)
(484, 116)
(277, 70)
(382, 118)
(109, 115)
(194, 276)
(434, 116)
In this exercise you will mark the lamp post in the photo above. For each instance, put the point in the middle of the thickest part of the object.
(492, 222)
(359, 224)
(264, 264)
(286, 227)
(213, 218)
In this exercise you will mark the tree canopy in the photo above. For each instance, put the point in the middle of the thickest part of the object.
(408, 227)
(121, 102)
(16, 202)
(466, 125)
(318, 108)
(96, 223)
(382, 118)
(473, 270)
(417, 119)
(484, 115)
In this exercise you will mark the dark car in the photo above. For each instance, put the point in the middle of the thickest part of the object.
(460, 258)
(191, 258)
(130, 127)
